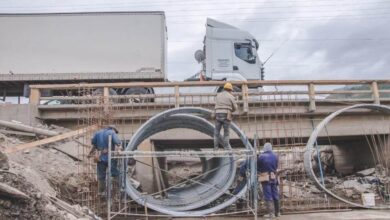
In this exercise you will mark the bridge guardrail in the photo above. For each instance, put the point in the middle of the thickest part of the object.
(307, 91)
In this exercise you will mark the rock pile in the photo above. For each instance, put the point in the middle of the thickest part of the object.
(370, 180)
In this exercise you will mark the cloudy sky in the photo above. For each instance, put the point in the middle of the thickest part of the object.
(317, 39)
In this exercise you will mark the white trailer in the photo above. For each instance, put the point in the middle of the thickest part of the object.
(83, 47)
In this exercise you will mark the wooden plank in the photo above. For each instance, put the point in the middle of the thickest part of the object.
(312, 98)
(339, 102)
(375, 92)
(35, 95)
(245, 98)
(177, 97)
(328, 92)
(250, 93)
(49, 140)
(106, 99)
(205, 83)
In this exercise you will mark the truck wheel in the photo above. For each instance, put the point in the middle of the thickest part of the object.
(99, 92)
(137, 91)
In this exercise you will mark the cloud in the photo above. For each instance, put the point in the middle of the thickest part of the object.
(325, 39)
(339, 47)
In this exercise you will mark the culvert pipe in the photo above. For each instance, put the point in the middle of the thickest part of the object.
(313, 138)
(194, 198)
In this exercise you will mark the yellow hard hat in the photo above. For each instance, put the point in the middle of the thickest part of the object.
(228, 86)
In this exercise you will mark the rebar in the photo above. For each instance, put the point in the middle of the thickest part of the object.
(183, 201)
(310, 148)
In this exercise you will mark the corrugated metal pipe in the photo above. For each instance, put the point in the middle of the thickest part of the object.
(310, 147)
(195, 198)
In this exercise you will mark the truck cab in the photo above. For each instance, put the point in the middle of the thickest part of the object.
(229, 53)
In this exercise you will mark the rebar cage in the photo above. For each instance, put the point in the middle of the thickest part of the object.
(283, 114)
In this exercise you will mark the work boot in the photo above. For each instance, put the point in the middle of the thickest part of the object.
(277, 208)
(269, 205)
(226, 142)
(102, 188)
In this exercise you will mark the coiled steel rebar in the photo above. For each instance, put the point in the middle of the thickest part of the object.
(192, 199)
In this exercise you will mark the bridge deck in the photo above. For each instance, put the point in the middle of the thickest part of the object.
(280, 109)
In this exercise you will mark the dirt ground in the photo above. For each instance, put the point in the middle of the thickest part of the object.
(344, 215)
(355, 215)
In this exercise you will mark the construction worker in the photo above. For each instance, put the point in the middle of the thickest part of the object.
(267, 165)
(100, 147)
(225, 105)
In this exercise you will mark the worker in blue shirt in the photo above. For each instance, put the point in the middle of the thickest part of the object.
(100, 147)
(267, 165)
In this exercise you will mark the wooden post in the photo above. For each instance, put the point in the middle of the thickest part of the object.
(375, 93)
(35, 96)
(106, 98)
(312, 98)
(177, 97)
(245, 98)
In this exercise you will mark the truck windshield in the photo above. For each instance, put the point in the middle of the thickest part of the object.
(244, 52)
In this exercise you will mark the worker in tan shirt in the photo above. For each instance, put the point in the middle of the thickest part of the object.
(225, 105)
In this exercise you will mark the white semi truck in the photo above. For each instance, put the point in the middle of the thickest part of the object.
(229, 53)
(112, 47)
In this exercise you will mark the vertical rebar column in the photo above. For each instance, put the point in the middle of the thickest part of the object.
(109, 179)
(254, 175)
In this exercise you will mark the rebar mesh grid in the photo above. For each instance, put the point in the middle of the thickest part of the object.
(278, 116)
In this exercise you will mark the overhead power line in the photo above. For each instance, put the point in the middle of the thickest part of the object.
(148, 7)
(277, 12)
(200, 2)
(312, 39)
(316, 18)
